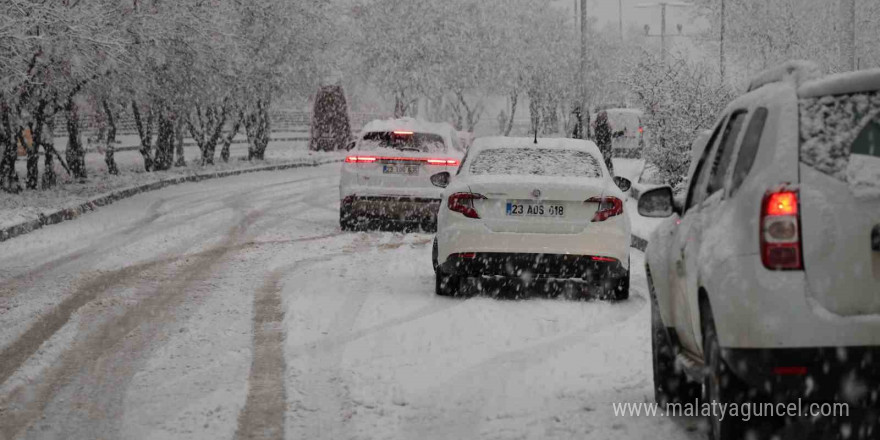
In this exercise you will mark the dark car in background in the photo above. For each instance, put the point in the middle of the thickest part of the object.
(330, 129)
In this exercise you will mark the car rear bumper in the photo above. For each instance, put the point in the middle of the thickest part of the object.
(601, 240)
(811, 374)
(530, 266)
(393, 208)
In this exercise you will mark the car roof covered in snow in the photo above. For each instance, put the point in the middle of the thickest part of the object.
(630, 111)
(841, 83)
(795, 72)
(409, 124)
(528, 142)
(492, 142)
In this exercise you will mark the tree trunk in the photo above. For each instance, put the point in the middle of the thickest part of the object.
(227, 141)
(8, 176)
(178, 143)
(47, 140)
(33, 158)
(164, 143)
(258, 132)
(145, 133)
(75, 155)
(513, 101)
(110, 149)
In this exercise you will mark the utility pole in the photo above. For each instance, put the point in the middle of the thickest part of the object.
(721, 49)
(620, 17)
(583, 73)
(663, 5)
(848, 35)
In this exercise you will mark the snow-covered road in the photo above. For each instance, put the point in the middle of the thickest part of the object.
(236, 308)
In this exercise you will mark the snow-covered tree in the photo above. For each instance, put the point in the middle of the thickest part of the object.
(680, 99)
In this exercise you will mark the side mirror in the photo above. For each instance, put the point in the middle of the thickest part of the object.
(350, 146)
(441, 180)
(657, 203)
(623, 183)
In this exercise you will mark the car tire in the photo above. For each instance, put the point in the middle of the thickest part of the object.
(445, 285)
(720, 385)
(670, 385)
(621, 289)
(346, 223)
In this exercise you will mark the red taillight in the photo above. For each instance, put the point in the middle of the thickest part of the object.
(444, 162)
(604, 259)
(464, 203)
(372, 159)
(608, 207)
(780, 231)
(641, 130)
(361, 159)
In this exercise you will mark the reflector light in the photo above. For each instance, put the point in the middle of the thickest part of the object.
(604, 259)
(402, 132)
(782, 203)
(608, 207)
(790, 371)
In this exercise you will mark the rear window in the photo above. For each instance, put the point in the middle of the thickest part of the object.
(536, 162)
(403, 141)
(836, 128)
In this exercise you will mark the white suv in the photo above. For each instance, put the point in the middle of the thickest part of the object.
(765, 281)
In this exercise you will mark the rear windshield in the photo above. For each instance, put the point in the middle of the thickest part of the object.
(840, 136)
(407, 141)
(536, 162)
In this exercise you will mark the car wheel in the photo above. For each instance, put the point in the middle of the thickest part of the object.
(720, 385)
(445, 285)
(346, 223)
(621, 288)
(670, 386)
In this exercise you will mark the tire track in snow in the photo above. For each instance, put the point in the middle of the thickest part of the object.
(263, 414)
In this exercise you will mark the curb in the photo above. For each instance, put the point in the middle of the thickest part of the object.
(73, 212)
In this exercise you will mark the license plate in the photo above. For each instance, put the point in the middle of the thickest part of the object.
(410, 170)
(522, 209)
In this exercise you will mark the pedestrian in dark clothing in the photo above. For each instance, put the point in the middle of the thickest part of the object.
(603, 139)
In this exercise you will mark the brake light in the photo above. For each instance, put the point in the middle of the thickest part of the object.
(780, 231)
(604, 259)
(608, 207)
(641, 130)
(444, 162)
(464, 203)
(372, 159)
(402, 132)
(361, 159)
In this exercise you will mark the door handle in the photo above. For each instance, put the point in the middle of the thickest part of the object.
(875, 238)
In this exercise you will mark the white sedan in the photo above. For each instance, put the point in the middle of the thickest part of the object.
(540, 215)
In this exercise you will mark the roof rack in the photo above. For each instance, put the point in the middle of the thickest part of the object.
(796, 71)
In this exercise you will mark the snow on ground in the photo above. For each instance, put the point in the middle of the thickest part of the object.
(237, 306)
(17, 208)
